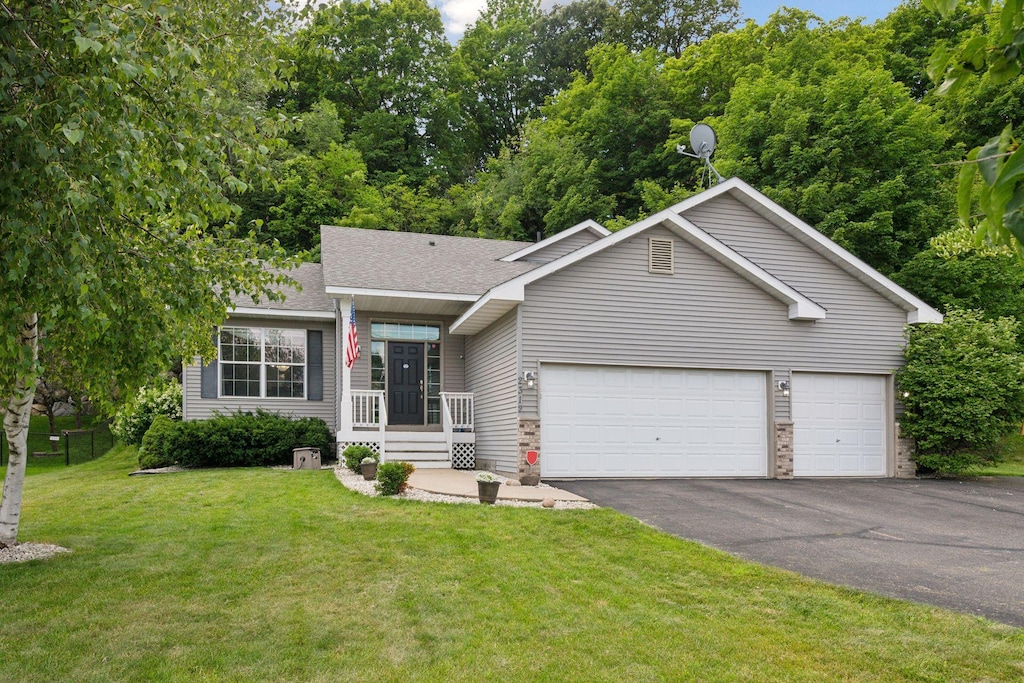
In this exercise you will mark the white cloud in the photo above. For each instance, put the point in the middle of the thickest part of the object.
(458, 15)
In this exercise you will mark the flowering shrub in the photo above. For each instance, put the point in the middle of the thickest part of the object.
(132, 420)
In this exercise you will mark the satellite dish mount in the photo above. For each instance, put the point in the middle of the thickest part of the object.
(703, 141)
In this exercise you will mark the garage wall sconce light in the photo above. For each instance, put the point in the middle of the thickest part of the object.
(783, 386)
(529, 379)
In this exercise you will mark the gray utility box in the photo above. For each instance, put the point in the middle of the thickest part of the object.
(306, 458)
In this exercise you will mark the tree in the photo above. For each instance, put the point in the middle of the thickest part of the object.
(954, 272)
(963, 388)
(384, 65)
(669, 26)
(122, 134)
(831, 137)
(549, 186)
(504, 81)
(997, 53)
(564, 35)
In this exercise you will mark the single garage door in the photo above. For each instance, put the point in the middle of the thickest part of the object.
(838, 425)
(652, 422)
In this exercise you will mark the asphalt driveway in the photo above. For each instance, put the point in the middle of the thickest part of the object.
(955, 544)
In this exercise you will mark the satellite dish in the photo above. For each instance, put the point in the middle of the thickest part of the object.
(703, 141)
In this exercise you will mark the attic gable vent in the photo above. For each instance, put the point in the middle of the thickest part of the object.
(660, 256)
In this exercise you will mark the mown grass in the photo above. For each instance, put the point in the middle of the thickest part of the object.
(276, 575)
(80, 448)
(1011, 459)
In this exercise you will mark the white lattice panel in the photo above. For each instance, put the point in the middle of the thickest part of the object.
(372, 445)
(464, 456)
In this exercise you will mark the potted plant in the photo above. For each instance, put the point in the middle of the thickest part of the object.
(487, 485)
(368, 466)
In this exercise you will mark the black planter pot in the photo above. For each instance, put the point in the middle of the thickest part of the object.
(369, 470)
(488, 491)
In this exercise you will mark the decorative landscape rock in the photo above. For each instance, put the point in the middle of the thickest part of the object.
(23, 552)
(548, 503)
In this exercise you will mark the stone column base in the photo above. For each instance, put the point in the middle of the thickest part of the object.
(906, 468)
(529, 440)
(783, 450)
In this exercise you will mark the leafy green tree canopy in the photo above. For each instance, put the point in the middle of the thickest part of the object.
(122, 135)
(830, 136)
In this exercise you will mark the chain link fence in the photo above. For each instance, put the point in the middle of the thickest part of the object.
(69, 447)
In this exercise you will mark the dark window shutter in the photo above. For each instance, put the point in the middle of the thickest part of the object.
(208, 387)
(208, 384)
(315, 365)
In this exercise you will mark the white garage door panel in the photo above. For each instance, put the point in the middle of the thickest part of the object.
(637, 422)
(838, 425)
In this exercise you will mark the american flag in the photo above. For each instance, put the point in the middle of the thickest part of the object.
(352, 339)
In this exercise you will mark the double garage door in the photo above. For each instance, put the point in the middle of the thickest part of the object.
(650, 422)
(609, 421)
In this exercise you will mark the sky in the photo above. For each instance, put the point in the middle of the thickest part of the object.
(458, 14)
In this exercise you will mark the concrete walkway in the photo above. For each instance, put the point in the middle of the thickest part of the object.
(463, 483)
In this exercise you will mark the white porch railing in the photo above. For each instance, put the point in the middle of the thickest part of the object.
(457, 412)
(370, 410)
(459, 407)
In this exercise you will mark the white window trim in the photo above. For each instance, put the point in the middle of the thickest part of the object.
(262, 363)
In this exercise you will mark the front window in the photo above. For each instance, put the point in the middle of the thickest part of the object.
(261, 362)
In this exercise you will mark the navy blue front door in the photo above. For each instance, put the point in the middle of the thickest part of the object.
(405, 383)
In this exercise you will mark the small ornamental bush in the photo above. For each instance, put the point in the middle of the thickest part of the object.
(355, 454)
(393, 477)
(963, 389)
(241, 439)
(132, 420)
(486, 477)
(154, 451)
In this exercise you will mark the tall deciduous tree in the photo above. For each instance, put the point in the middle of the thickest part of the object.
(669, 26)
(821, 127)
(121, 133)
(384, 65)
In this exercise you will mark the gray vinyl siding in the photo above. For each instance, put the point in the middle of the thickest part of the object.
(492, 374)
(608, 309)
(562, 247)
(199, 408)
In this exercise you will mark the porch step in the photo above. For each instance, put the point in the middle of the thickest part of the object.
(422, 449)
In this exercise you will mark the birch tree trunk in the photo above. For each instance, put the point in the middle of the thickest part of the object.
(16, 417)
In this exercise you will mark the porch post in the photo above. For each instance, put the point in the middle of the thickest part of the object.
(345, 424)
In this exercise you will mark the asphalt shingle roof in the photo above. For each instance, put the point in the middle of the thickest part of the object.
(312, 297)
(416, 262)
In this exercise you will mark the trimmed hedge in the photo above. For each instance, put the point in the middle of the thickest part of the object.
(154, 451)
(242, 439)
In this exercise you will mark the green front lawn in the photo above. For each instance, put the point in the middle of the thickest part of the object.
(1011, 463)
(259, 574)
(80, 447)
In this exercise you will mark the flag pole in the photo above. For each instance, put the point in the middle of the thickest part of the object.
(346, 372)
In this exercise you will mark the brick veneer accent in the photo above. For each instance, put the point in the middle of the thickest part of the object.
(783, 450)
(905, 466)
(529, 440)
